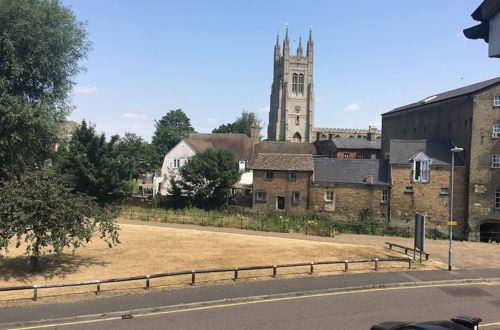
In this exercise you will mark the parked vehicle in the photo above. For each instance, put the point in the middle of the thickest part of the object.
(461, 322)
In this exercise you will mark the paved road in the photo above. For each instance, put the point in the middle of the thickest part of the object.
(212, 293)
(351, 310)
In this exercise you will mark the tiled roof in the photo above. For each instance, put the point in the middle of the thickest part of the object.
(283, 147)
(283, 162)
(338, 170)
(401, 151)
(353, 143)
(449, 94)
(240, 144)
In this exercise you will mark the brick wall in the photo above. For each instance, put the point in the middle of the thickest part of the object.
(427, 198)
(349, 199)
(280, 185)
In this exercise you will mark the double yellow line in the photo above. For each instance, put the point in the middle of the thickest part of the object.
(264, 301)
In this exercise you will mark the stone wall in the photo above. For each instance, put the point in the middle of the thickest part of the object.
(320, 134)
(349, 199)
(281, 185)
(431, 198)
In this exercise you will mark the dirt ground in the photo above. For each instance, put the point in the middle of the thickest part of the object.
(149, 249)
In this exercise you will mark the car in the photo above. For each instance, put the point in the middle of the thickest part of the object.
(461, 322)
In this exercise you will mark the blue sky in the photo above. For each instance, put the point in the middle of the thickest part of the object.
(215, 58)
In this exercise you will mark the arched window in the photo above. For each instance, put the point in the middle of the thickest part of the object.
(297, 120)
(497, 198)
(323, 136)
(294, 83)
(297, 137)
(301, 83)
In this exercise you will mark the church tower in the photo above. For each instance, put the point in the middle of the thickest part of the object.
(292, 93)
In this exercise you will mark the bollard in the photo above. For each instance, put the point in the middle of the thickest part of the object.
(274, 271)
(409, 262)
(98, 287)
(376, 264)
(147, 282)
(346, 266)
(312, 268)
(235, 274)
(193, 277)
(35, 292)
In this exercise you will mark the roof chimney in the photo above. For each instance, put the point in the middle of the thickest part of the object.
(255, 132)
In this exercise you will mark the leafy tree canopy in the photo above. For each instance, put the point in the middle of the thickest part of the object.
(170, 130)
(242, 124)
(41, 43)
(38, 210)
(139, 155)
(96, 167)
(207, 177)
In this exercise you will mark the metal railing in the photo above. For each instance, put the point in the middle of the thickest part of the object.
(235, 271)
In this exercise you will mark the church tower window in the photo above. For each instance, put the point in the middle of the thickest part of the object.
(301, 83)
(294, 82)
(297, 120)
(297, 137)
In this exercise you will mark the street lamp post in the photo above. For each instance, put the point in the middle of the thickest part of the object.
(450, 225)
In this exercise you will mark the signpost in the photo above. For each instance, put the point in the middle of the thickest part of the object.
(419, 235)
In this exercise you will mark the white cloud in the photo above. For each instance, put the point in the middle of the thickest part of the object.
(352, 107)
(376, 123)
(85, 90)
(263, 109)
(131, 115)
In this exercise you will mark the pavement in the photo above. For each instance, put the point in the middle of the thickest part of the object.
(196, 296)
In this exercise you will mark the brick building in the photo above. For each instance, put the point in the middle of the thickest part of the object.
(470, 118)
(349, 148)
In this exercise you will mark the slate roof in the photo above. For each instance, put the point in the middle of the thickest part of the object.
(401, 151)
(353, 143)
(338, 170)
(471, 89)
(283, 162)
(283, 147)
(240, 144)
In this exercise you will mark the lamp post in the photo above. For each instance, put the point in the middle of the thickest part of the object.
(450, 225)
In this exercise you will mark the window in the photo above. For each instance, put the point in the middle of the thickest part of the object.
(294, 82)
(373, 156)
(177, 163)
(329, 196)
(385, 196)
(292, 176)
(496, 101)
(421, 170)
(496, 130)
(408, 189)
(301, 84)
(269, 175)
(297, 120)
(296, 197)
(497, 199)
(495, 160)
(444, 191)
(359, 156)
(346, 155)
(261, 196)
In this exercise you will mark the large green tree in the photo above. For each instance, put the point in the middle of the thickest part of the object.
(207, 177)
(40, 211)
(139, 155)
(95, 166)
(242, 124)
(41, 43)
(170, 130)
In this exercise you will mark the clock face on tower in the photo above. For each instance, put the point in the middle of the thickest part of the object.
(297, 108)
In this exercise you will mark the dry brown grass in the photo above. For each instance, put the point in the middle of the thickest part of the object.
(149, 250)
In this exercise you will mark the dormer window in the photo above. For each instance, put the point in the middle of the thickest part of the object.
(421, 167)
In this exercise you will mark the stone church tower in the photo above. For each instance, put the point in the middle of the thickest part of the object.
(292, 94)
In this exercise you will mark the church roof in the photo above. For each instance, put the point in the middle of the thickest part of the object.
(470, 89)
(283, 162)
(240, 144)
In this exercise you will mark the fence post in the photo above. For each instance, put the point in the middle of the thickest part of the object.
(312, 268)
(376, 263)
(193, 277)
(409, 262)
(35, 292)
(147, 282)
(98, 287)
(274, 271)
(235, 274)
(346, 266)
